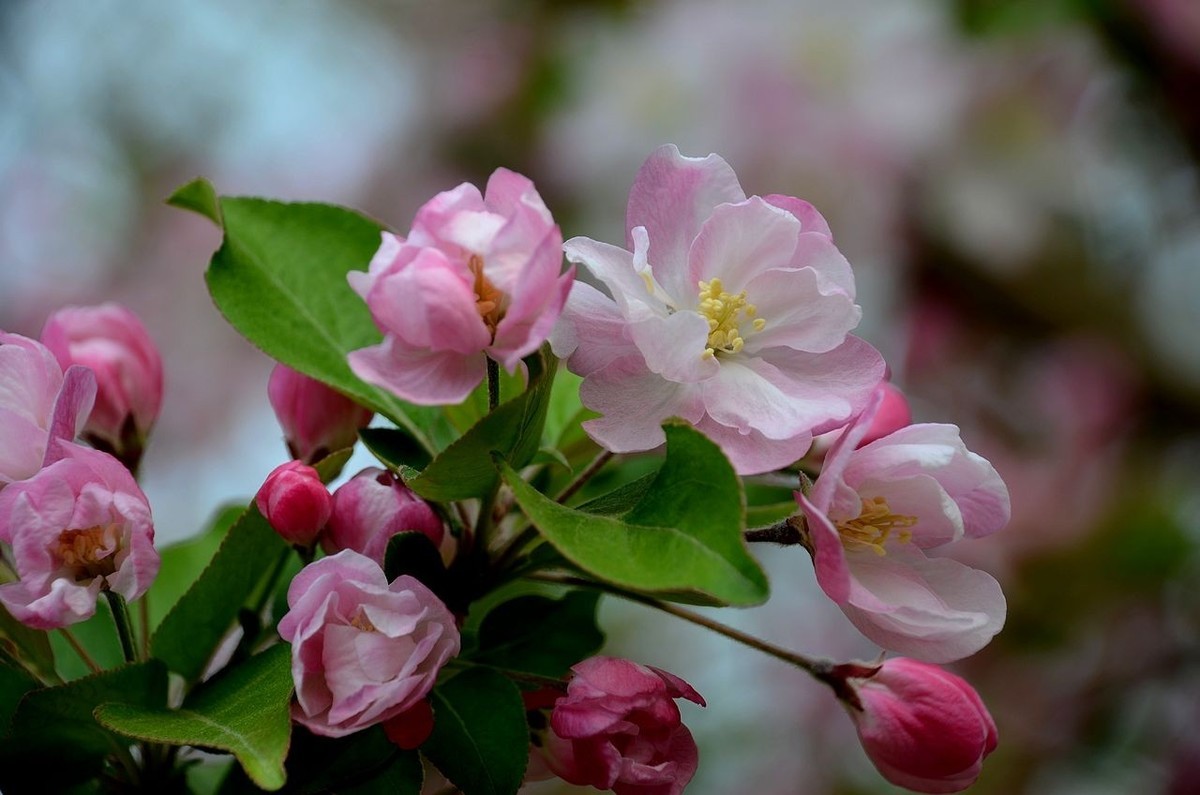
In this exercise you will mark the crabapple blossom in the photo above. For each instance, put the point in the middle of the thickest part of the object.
(363, 651)
(923, 728)
(38, 403)
(79, 526)
(874, 511)
(295, 502)
(316, 419)
(730, 312)
(373, 506)
(478, 276)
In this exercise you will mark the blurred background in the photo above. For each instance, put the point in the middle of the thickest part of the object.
(1015, 182)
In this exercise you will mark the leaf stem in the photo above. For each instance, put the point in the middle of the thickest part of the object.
(493, 379)
(82, 652)
(583, 477)
(120, 612)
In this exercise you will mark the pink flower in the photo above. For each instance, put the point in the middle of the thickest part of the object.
(729, 312)
(874, 511)
(111, 341)
(78, 526)
(38, 403)
(924, 728)
(477, 277)
(295, 502)
(363, 651)
(893, 415)
(618, 728)
(316, 420)
(372, 507)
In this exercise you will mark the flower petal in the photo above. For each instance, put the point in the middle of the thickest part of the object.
(634, 402)
(740, 241)
(427, 378)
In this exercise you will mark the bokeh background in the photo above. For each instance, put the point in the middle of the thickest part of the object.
(1015, 182)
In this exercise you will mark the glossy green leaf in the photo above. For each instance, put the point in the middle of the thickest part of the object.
(682, 540)
(395, 448)
(538, 635)
(245, 711)
(480, 739)
(183, 561)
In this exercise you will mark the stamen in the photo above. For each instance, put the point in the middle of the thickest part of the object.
(874, 526)
(88, 552)
(360, 621)
(487, 298)
(723, 311)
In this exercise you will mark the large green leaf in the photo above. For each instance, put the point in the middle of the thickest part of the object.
(245, 711)
(183, 561)
(540, 635)
(363, 762)
(280, 279)
(464, 469)
(682, 540)
(480, 739)
(192, 630)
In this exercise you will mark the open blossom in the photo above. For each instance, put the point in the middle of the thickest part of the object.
(112, 341)
(730, 312)
(477, 277)
(924, 728)
(38, 403)
(78, 526)
(618, 728)
(373, 506)
(316, 419)
(363, 651)
(874, 511)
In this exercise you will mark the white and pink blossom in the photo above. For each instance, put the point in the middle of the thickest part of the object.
(731, 312)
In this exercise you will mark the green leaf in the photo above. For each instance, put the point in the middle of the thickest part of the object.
(15, 682)
(182, 563)
(279, 278)
(395, 448)
(245, 711)
(539, 635)
(622, 499)
(331, 465)
(682, 540)
(364, 762)
(192, 630)
(473, 409)
(480, 739)
(464, 469)
(27, 644)
(414, 554)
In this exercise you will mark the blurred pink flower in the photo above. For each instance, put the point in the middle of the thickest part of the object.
(729, 312)
(111, 341)
(316, 420)
(373, 506)
(295, 502)
(477, 277)
(79, 526)
(872, 514)
(924, 728)
(618, 729)
(363, 651)
(38, 403)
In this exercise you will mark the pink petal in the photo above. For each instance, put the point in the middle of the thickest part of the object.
(634, 402)
(752, 453)
(427, 378)
(829, 556)
(740, 241)
(673, 346)
(810, 219)
(429, 305)
(591, 332)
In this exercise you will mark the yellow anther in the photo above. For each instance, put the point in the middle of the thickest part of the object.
(874, 525)
(723, 310)
(360, 621)
(488, 299)
(88, 552)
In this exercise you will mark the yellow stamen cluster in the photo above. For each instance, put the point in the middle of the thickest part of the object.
(874, 526)
(87, 553)
(360, 621)
(723, 311)
(487, 297)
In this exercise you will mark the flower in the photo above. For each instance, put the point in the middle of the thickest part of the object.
(295, 502)
(316, 420)
(363, 651)
(38, 403)
(477, 277)
(729, 312)
(924, 728)
(373, 506)
(79, 526)
(111, 341)
(874, 511)
(618, 728)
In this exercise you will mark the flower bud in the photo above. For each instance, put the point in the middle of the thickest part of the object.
(924, 728)
(372, 507)
(316, 420)
(111, 341)
(295, 503)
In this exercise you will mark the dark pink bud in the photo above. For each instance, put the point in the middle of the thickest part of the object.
(295, 502)
(893, 414)
(411, 728)
(372, 507)
(924, 728)
(316, 420)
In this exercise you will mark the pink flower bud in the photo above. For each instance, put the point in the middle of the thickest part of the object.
(295, 502)
(79, 526)
(129, 375)
(618, 729)
(924, 728)
(316, 420)
(363, 651)
(893, 414)
(372, 507)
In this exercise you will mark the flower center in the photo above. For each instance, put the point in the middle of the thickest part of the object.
(360, 621)
(487, 297)
(87, 553)
(874, 526)
(724, 311)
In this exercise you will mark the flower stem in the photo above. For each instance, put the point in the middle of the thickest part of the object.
(120, 611)
(583, 477)
(788, 533)
(144, 618)
(82, 652)
(493, 379)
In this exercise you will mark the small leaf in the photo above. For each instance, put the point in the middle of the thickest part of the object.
(183, 561)
(682, 540)
(480, 739)
(538, 635)
(395, 448)
(199, 197)
(331, 465)
(245, 711)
